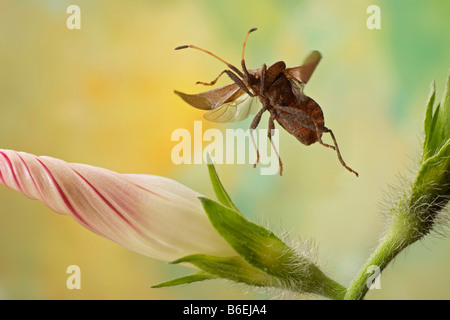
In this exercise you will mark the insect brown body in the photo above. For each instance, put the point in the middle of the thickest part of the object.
(280, 92)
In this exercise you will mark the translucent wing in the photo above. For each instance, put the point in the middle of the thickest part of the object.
(212, 99)
(303, 73)
(233, 111)
(226, 104)
(297, 89)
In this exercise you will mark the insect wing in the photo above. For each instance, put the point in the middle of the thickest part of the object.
(233, 111)
(297, 89)
(303, 73)
(212, 99)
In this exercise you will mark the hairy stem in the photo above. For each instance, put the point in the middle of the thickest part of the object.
(330, 289)
(310, 279)
(387, 249)
(411, 220)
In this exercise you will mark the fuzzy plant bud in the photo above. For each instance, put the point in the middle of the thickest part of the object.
(263, 259)
(422, 205)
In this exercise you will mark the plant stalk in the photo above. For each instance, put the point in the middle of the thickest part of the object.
(401, 233)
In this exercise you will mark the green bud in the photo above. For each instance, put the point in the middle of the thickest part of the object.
(422, 209)
(263, 259)
(422, 206)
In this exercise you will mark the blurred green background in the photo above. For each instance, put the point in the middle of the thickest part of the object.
(103, 95)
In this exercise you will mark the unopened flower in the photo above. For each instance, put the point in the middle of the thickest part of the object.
(149, 214)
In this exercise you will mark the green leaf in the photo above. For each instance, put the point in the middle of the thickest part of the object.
(232, 268)
(257, 245)
(219, 190)
(200, 276)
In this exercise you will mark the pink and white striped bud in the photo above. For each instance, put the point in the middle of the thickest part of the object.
(149, 214)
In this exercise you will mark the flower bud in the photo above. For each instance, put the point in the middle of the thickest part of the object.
(149, 214)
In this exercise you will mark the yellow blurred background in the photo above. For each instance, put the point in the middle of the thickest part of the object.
(103, 95)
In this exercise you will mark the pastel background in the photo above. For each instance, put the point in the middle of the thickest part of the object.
(103, 95)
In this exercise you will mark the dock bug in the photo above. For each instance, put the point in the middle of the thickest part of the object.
(278, 89)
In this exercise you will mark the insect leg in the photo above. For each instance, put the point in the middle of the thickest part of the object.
(212, 82)
(320, 139)
(263, 78)
(339, 153)
(253, 126)
(270, 133)
(239, 82)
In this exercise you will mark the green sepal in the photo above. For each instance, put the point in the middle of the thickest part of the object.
(258, 246)
(436, 168)
(431, 190)
(199, 276)
(231, 268)
(437, 123)
(432, 184)
(219, 190)
(429, 118)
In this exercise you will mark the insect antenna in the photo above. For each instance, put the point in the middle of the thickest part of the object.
(243, 50)
(212, 54)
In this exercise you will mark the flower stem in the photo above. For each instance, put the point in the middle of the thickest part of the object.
(400, 234)
(387, 249)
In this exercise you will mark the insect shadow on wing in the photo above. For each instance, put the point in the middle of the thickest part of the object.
(279, 91)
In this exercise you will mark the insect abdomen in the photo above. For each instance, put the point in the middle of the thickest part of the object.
(302, 128)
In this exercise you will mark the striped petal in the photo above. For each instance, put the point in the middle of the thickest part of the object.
(149, 214)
